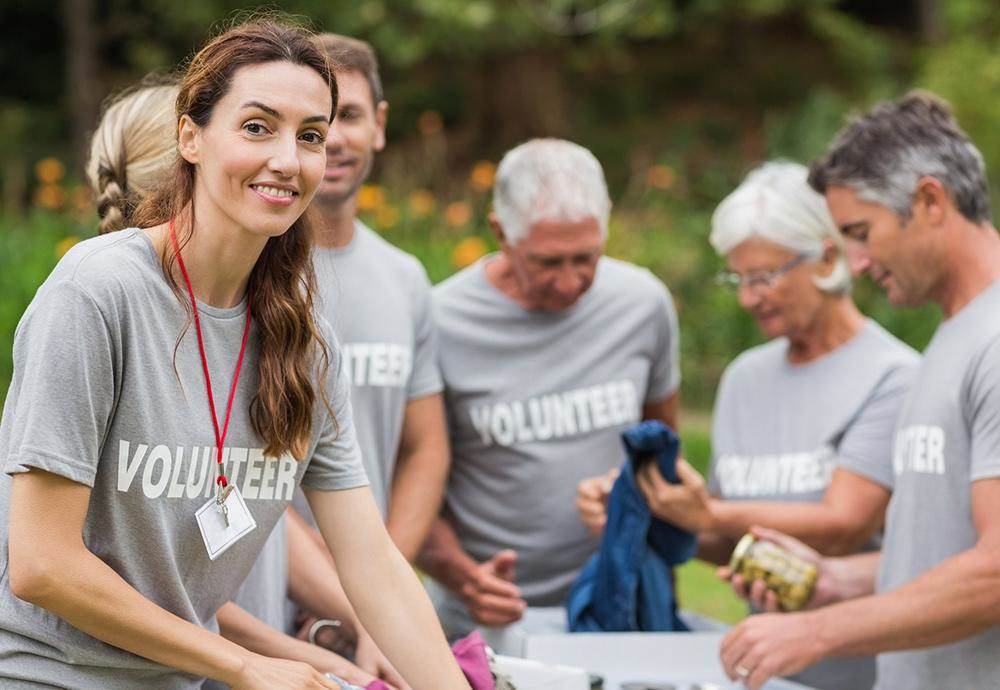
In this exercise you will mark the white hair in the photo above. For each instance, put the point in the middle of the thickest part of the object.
(549, 179)
(776, 203)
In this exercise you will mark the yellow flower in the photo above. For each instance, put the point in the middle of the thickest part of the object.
(421, 203)
(482, 176)
(65, 244)
(386, 216)
(50, 196)
(661, 177)
(468, 251)
(430, 122)
(49, 170)
(370, 197)
(458, 213)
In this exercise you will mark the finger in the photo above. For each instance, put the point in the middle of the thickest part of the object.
(723, 572)
(734, 646)
(589, 488)
(688, 475)
(757, 591)
(771, 603)
(488, 584)
(786, 542)
(590, 508)
(491, 617)
(609, 479)
(501, 605)
(739, 585)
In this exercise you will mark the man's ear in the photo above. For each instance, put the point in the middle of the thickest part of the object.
(931, 202)
(188, 139)
(498, 230)
(381, 119)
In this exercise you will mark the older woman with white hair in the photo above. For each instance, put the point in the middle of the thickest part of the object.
(803, 425)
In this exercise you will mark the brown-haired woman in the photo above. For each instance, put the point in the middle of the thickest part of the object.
(143, 469)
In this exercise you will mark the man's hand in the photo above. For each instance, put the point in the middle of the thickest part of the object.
(828, 589)
(686, 505)
(768, 645)
(592, 500)
(490, 593)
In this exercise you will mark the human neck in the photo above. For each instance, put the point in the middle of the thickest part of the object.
(336, 228)
(835, 324)
(971, 264)
(218, 255)
(500, 272)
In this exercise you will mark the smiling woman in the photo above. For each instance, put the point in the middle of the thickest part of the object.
(116, 553)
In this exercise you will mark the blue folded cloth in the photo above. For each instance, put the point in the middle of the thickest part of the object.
(628, 584)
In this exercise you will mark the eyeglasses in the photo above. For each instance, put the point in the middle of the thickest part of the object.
(757, 281)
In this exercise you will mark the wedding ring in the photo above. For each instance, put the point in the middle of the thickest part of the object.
(319, 625)
(742, 671)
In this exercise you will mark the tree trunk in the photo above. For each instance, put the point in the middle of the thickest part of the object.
(82, 84)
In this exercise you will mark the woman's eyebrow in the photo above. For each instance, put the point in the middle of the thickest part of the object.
(275, 114)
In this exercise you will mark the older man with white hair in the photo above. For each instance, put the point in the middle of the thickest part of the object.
(548, 351)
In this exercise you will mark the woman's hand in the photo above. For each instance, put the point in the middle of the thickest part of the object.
(264, 673)
(592, 500)
(371, 659)
(828, 588)
(686, 505)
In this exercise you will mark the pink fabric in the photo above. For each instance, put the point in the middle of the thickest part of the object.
(470, 652)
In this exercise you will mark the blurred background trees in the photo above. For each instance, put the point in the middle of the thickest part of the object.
(678, 98)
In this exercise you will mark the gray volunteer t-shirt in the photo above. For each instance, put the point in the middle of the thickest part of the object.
(536, 401)
(94, 398)
(948, 438)
(377, 297)
(780, 429)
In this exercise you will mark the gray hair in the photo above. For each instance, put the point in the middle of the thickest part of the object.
(549, 179)
(775, 203)
(883, 154)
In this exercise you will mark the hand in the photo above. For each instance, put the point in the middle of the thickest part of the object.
(592, 500)
(827, 589)
(490, 593)
(686, 505)
(264, 673)
(768, 645)
(370, 658)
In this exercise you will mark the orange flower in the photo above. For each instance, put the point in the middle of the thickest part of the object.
(458, 213)
(482, 176)
(661, 177)
(65, 244)
(370, 197)
(386, 216)
(421, 203)
(430, 122)
(49, 170)
(50, 196)
(468, 251)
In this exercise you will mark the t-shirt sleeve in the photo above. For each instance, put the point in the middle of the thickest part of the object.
(336, 462)
(867, 444)
(425, 377)
(983, 414)
(665, 376)
(63, 389)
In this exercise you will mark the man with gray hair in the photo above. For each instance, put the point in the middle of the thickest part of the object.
(908, 189)
(548, 351)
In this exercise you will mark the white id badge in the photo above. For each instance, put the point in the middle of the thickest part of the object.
(219, 531)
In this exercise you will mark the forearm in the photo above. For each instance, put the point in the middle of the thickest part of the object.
(244, 629)
(313, 582)
(957, 599)
(443, 558)
(91, 596)
(819, 525)
(417, 491)
(396, 611)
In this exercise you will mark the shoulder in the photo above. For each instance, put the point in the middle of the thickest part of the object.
(765, 358)
(617, 278)
(892, 352)
(402, 263)
(108, 268)
(459, 286)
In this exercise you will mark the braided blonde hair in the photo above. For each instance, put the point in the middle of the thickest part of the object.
(133, 149)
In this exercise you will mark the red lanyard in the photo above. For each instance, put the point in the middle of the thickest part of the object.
(220, 436)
